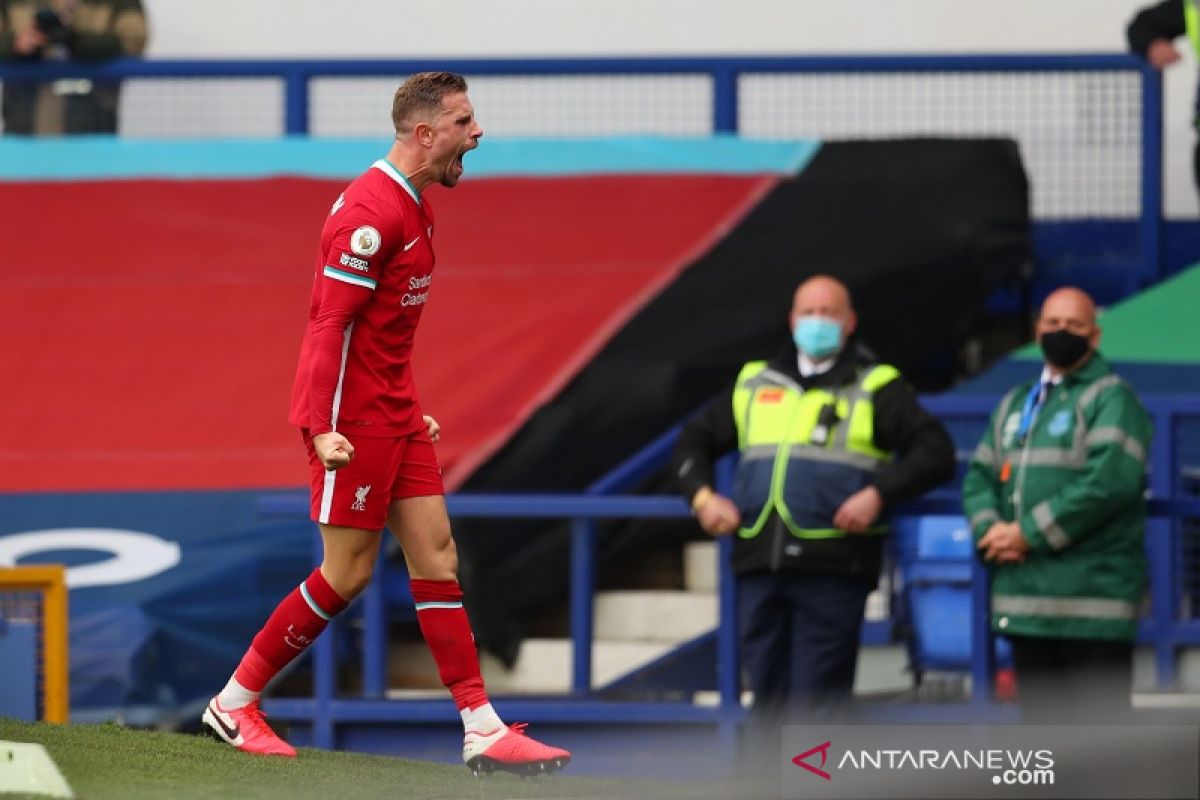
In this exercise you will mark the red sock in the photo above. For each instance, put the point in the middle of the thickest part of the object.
(291, 628)
(448, 633)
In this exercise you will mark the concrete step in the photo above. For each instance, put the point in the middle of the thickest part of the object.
(544, 665)
(700, 566)
(700, 574)
(632, 628)
(654, 615)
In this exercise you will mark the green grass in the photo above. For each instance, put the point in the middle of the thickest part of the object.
(109, 761)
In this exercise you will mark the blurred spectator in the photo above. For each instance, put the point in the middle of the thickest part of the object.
(79, 30)
(1152, 34)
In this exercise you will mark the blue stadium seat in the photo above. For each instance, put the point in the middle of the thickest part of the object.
(943, 537)
(935, 564)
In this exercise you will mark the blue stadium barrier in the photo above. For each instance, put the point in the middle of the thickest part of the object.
(1161, 630)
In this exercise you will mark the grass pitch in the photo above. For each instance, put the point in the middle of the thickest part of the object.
(109, 761)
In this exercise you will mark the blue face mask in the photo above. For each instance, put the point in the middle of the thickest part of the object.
(817, 337)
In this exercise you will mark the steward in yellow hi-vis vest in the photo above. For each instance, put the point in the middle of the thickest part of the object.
(830, 441)
(807, 444)
(803, 452)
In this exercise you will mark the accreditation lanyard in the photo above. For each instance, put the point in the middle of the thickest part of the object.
(1033, 403)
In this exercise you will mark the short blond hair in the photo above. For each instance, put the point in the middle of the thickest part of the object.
(421, 97)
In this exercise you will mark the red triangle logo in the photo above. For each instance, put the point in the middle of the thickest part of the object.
(823, 749)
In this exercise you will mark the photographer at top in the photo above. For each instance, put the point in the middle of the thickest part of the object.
(79, 30)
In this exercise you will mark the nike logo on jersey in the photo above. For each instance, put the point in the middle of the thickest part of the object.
(411, 244)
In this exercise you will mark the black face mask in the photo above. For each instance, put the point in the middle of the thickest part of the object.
(1064, 349)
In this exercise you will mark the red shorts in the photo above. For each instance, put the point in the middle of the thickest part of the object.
(383, 469)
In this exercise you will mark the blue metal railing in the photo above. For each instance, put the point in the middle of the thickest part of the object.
(297, 75)
(325, 711)
(582, 509)
(1161, 630)
(724, 71)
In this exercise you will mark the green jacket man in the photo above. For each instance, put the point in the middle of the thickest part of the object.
(1055, 499)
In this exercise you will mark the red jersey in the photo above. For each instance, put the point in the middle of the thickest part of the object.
(372, 280)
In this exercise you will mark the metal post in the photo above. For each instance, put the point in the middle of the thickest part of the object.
(1160, 539)
(729, 672)
(725, 100)
(729, 676)
(324, 672)
(583, 588)
(983, 648)
(295, 102)
(375, 634)
(1152, 168)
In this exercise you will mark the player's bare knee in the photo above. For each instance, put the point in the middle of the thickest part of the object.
(360, 576)
(437, 562)
(447, 558)
(349, 578)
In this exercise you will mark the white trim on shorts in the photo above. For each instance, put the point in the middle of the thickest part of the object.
(327, 496)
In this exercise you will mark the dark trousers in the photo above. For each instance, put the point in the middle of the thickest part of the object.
(94, 112)
(799, 635)
(18, 104)
(1072, 680)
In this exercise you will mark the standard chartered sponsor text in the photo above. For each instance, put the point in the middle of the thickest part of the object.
(420, 298)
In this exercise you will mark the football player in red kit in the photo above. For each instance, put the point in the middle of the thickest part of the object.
(370, 447)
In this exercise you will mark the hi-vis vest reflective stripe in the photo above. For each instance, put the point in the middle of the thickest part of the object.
(776, 420)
